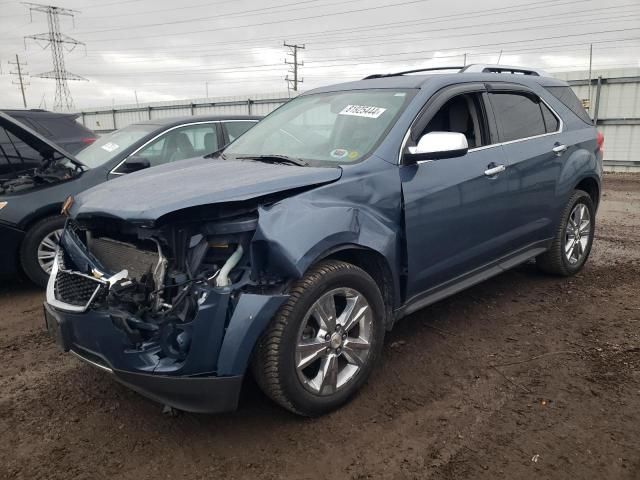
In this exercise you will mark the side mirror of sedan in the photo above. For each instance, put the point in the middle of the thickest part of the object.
(135, 163)
(437, 146)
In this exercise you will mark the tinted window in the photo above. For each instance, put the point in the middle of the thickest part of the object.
(518, 116)
(566, 96)
(551, 123)
(60, 127)
(35, 126)
(235, 129)
(461, 114)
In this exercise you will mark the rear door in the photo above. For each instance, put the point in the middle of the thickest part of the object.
(453, 209)
(530, 133)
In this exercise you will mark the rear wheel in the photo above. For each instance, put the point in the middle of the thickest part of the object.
(39, 247)
(324, 341)
(574, 237)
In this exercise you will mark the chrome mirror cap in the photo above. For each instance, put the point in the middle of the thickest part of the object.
(437, 146)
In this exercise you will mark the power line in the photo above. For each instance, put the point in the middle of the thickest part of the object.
(273, 22)
(625, 17)
(331, 64)
(56, 40)
(293, 52)
(426, 20)
(20, 74)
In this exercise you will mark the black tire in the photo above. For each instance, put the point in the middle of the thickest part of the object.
(273, 363)
(554, 260)
(29, 248)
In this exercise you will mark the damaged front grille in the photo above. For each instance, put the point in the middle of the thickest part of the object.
(78, 290)
(117, 256)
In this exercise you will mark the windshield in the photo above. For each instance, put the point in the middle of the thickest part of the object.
(336, 127)
(110, 145)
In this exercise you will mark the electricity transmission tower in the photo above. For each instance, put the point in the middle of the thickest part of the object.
(19, 73)
(58, 43)
(293, 51)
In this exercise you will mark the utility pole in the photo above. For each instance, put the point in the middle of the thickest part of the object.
(293, 51)
(20, 81)
(56, 40)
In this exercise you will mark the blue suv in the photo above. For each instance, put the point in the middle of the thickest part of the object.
(291, 252)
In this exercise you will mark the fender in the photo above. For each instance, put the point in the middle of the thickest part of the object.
(290, 238)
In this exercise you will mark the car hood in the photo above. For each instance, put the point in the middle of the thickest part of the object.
(147, 195)
(36, 141)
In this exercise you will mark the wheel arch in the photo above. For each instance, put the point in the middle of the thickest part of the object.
(591, 185)
(50, 210)
(376, 265)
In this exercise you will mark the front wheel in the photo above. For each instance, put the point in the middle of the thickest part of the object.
(324, 341)
(572, 244)
(39, 248)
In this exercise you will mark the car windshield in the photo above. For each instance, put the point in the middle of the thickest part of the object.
(110, 145)
(324, 128)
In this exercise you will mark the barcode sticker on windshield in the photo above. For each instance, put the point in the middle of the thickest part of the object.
(110, 147)
(362, 111)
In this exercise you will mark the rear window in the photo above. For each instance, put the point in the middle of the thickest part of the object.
(571, 101)
(62, 127)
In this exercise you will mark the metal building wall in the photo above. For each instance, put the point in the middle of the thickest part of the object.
(618, 111)
(106, 119)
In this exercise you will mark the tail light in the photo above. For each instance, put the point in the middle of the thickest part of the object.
(88, 140)
(600, 142)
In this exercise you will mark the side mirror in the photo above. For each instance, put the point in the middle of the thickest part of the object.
(437, 146)
(135, 163)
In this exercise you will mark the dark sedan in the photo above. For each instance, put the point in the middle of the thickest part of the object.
(31, 197)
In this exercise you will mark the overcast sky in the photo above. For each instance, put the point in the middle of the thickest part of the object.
(168, 50)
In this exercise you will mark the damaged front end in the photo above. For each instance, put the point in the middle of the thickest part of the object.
(161, 305)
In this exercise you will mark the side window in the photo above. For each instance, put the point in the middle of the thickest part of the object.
(462, 114)
(181, 143)
(235, 129)
(518, 116)
(551, 123)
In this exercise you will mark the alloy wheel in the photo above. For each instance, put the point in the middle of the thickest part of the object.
(334, 341)
(47, 250)
(577, 233)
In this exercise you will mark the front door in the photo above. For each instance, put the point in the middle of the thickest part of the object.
(454, 208)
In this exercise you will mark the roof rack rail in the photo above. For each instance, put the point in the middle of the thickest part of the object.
(397, 74)
(472, 68)
(488, 68)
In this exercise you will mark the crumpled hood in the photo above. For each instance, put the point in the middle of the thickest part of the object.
(149, 194)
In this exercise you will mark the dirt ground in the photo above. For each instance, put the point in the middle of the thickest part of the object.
(523, 376)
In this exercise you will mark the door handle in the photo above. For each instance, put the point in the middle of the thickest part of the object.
(559, 149)
(494, 170)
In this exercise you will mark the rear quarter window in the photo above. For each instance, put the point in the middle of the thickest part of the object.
(571, 101)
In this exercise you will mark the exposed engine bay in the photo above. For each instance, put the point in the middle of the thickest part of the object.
(152, 280)
(25, 168)
(28, 179)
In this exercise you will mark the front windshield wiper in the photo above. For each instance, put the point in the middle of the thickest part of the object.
(275, 159)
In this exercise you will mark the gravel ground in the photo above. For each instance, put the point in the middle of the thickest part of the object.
(523, 376)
